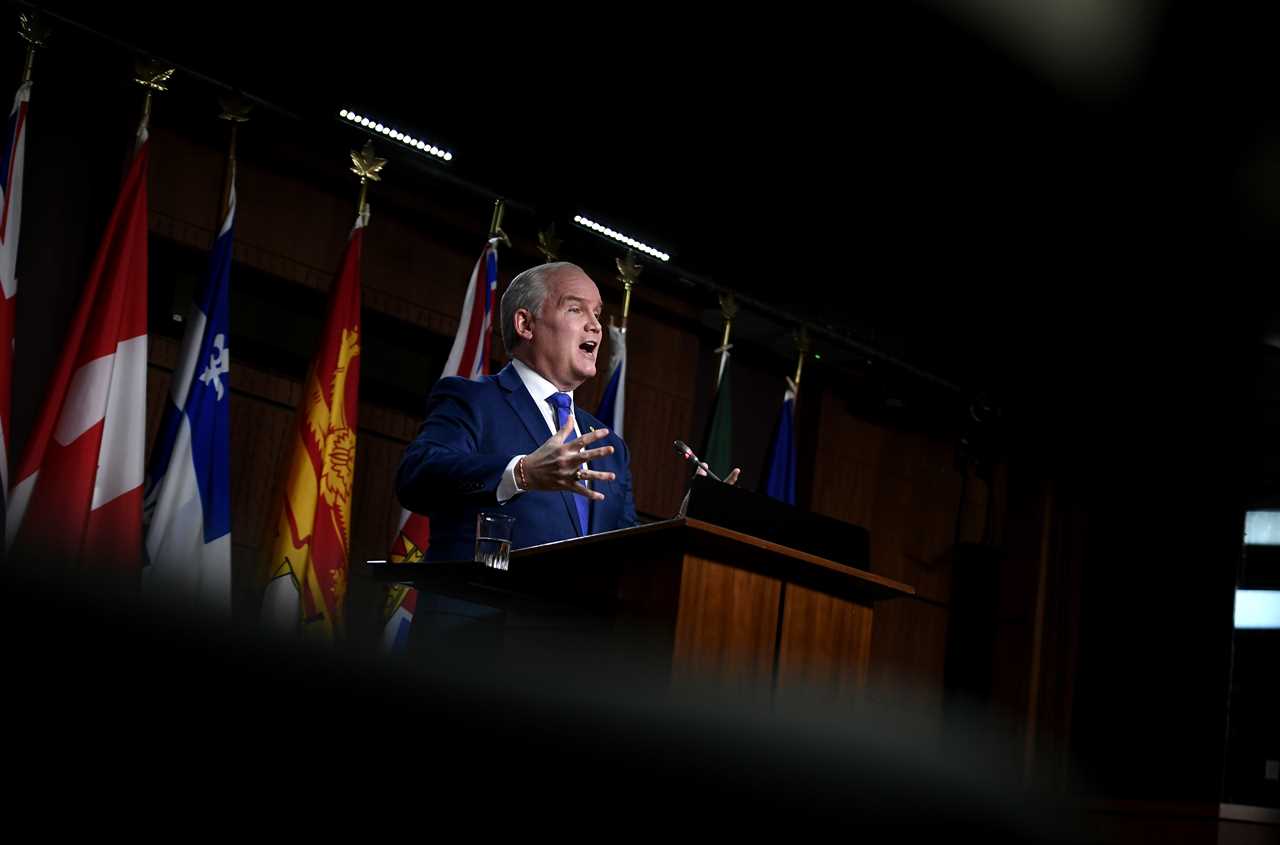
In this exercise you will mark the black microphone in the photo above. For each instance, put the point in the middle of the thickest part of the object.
(684, 451)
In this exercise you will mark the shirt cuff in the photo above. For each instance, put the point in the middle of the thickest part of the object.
(507, 487)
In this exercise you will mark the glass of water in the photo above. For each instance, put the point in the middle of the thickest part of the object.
(493, 539)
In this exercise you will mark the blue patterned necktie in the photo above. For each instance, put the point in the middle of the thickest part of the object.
(561, 402)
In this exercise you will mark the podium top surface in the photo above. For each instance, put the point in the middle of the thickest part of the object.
(764, 517)
(670, 530)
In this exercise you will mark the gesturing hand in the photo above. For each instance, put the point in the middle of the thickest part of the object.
(556, 465)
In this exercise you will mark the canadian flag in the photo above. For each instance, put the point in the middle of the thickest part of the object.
(77, 494)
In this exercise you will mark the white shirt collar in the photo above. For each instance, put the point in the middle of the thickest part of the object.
(539, 388)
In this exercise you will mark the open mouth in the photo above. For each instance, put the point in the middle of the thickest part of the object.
(589, 347)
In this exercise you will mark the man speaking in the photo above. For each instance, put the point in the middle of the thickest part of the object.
(516, 442)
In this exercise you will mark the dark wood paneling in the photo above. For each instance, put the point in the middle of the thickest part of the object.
(905, 489)
(697, 604)
(902, 486)
(825, 647)
(157, 401)
(661, 373)
(908, 656)
(726, 627)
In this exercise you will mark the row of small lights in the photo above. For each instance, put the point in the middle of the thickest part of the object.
(410, 141)
(417, 144)
(395, 134)
(621, 238)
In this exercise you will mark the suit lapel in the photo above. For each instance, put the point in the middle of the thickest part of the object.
(522, 403)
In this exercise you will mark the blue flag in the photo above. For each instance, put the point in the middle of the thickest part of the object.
(780, 473)
(187, 505)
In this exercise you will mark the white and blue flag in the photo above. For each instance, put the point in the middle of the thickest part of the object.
(614, 400)
(187, 506)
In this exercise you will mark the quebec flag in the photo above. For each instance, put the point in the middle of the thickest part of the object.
(187, 505)
(615, 392)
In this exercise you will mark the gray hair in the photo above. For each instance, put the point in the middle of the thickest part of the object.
(529, 291)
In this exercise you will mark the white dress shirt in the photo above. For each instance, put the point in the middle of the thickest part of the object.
(540, 390)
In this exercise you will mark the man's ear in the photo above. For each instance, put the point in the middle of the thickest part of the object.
(524, 324)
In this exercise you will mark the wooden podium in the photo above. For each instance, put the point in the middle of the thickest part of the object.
(697, 602)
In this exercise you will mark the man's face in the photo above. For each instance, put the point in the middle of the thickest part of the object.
(566, 334)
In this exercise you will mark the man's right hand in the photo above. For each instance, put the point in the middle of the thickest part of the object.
(556, 465)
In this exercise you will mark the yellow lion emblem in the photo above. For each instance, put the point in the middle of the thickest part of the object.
(336, 440)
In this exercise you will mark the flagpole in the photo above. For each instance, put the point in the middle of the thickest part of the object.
(367, 166)
(802, 348)
(495, 225)
(628, 272)
(33, 31)
(728, 310)
(235, 110)
(495, 234)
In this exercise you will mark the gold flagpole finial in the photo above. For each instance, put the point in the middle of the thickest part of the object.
(235, 110)
(549, 244)
(152, 76)
(31, 29)
(367, 166)
(728, 310)
(628, 271)
(495, 225)
(802, 348)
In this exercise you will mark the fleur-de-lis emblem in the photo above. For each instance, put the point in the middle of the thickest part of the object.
(628, 269)
(33, 29)
(219, 363)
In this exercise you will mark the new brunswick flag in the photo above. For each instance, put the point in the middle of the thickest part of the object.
(304, 572)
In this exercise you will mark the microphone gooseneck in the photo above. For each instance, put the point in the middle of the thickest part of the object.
(684, 451)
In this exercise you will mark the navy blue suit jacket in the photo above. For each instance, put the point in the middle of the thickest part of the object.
(473, 429)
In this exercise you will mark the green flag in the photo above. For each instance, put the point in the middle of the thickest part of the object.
(718, 452)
